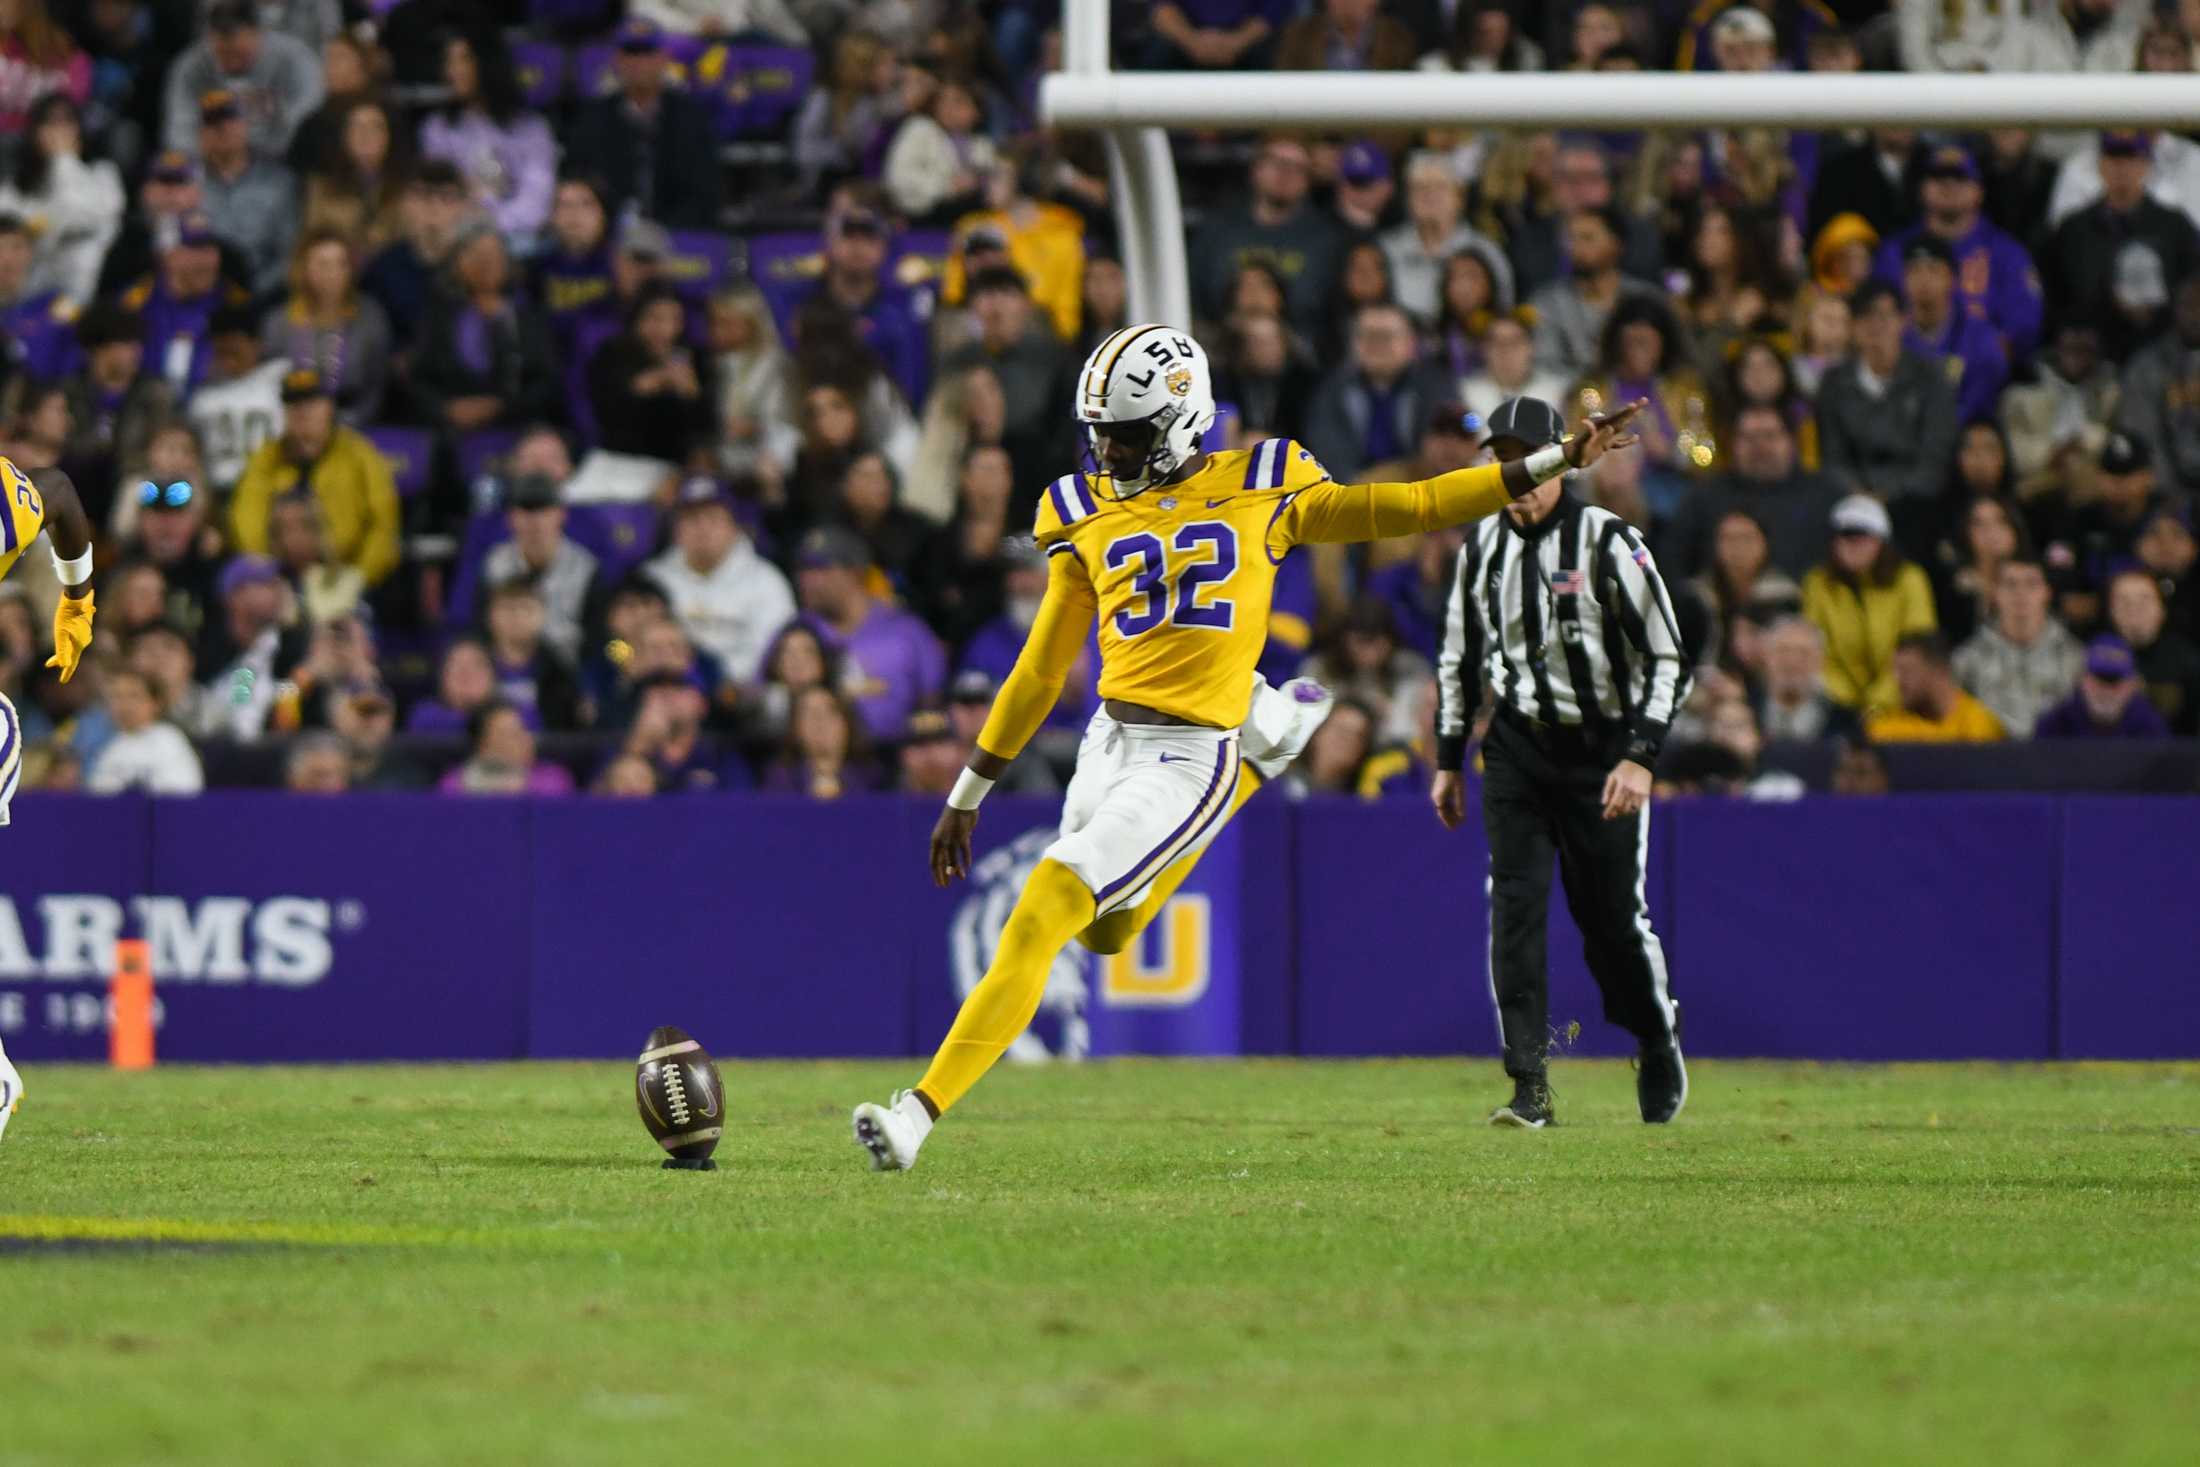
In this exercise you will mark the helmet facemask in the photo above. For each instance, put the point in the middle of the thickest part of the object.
(1157, 457)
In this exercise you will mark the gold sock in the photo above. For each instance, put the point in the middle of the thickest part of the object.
(1118, 930)
(1053, 906)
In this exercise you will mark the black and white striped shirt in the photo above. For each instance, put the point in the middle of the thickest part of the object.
(1566, 622)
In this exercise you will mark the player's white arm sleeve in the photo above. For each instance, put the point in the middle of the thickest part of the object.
(1459, 668)
(1647, 621)
(1050, 651)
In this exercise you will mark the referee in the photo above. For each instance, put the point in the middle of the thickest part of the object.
(1558, 620)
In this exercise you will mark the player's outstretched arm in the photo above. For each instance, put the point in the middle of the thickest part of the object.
(1353, 512)
(1026, 697)
(69, 534)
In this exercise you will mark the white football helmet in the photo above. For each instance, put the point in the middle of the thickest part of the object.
(1151, 377)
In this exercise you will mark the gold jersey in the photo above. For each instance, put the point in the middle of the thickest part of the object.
(1181, 576)
(21, 517)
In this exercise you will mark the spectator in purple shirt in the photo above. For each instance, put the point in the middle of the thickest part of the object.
(530, 673)
(505, 152)
(1995, 278)
(39, 339)
(893, 665)
(573, 274)
(825, 755)
(1417, 590)
(1967, 348)
(465, 683)
(503, 761)
(178, 303)
(116, 408)
(886, 316)
(668, 736)
(2110, 702)
(635, 265)
(993, 648)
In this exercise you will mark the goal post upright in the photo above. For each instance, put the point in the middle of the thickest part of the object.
(1141, 182)
(1130, 111)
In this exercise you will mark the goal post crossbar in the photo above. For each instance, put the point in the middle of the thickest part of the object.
(1327, 101)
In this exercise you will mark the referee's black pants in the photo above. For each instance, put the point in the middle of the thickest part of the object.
(1543, 796)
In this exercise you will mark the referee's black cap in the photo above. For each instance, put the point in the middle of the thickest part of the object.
(1530, 420)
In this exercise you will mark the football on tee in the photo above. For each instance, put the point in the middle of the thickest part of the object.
(676, 1088)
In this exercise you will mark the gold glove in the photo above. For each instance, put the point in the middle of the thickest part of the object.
(72, 633)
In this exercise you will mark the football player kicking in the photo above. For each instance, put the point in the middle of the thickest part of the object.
(43, 499)
(1175, 550)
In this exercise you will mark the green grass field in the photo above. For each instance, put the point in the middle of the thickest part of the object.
(1132, 1262)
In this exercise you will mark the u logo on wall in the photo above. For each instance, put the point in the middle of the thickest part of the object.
(1168, 966)
(1173, 991)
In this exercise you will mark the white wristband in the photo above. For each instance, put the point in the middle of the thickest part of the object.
(970, 788)
(72, 572)
(1547, 463)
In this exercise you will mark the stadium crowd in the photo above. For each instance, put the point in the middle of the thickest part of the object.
(485, 395)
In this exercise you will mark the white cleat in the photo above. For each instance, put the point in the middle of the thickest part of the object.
(890, 1137)
(11, 1092)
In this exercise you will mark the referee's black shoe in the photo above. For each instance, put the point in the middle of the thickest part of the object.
(1530, 1108)
(1661, 1081)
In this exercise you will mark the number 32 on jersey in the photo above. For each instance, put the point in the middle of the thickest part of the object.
(21, 513)
(1177, 582)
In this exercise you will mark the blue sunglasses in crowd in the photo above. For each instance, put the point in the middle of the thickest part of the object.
(175, 495)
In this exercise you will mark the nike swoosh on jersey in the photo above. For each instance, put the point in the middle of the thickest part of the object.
(1216, 503)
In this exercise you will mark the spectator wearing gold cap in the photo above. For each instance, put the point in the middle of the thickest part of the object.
(338, 466)
(1841, 255)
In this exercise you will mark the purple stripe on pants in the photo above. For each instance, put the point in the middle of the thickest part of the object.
(1222, 762)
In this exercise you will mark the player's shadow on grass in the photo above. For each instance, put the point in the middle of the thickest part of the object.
(17, 1244)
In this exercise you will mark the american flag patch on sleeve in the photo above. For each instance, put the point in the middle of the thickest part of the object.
(1642, 556)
